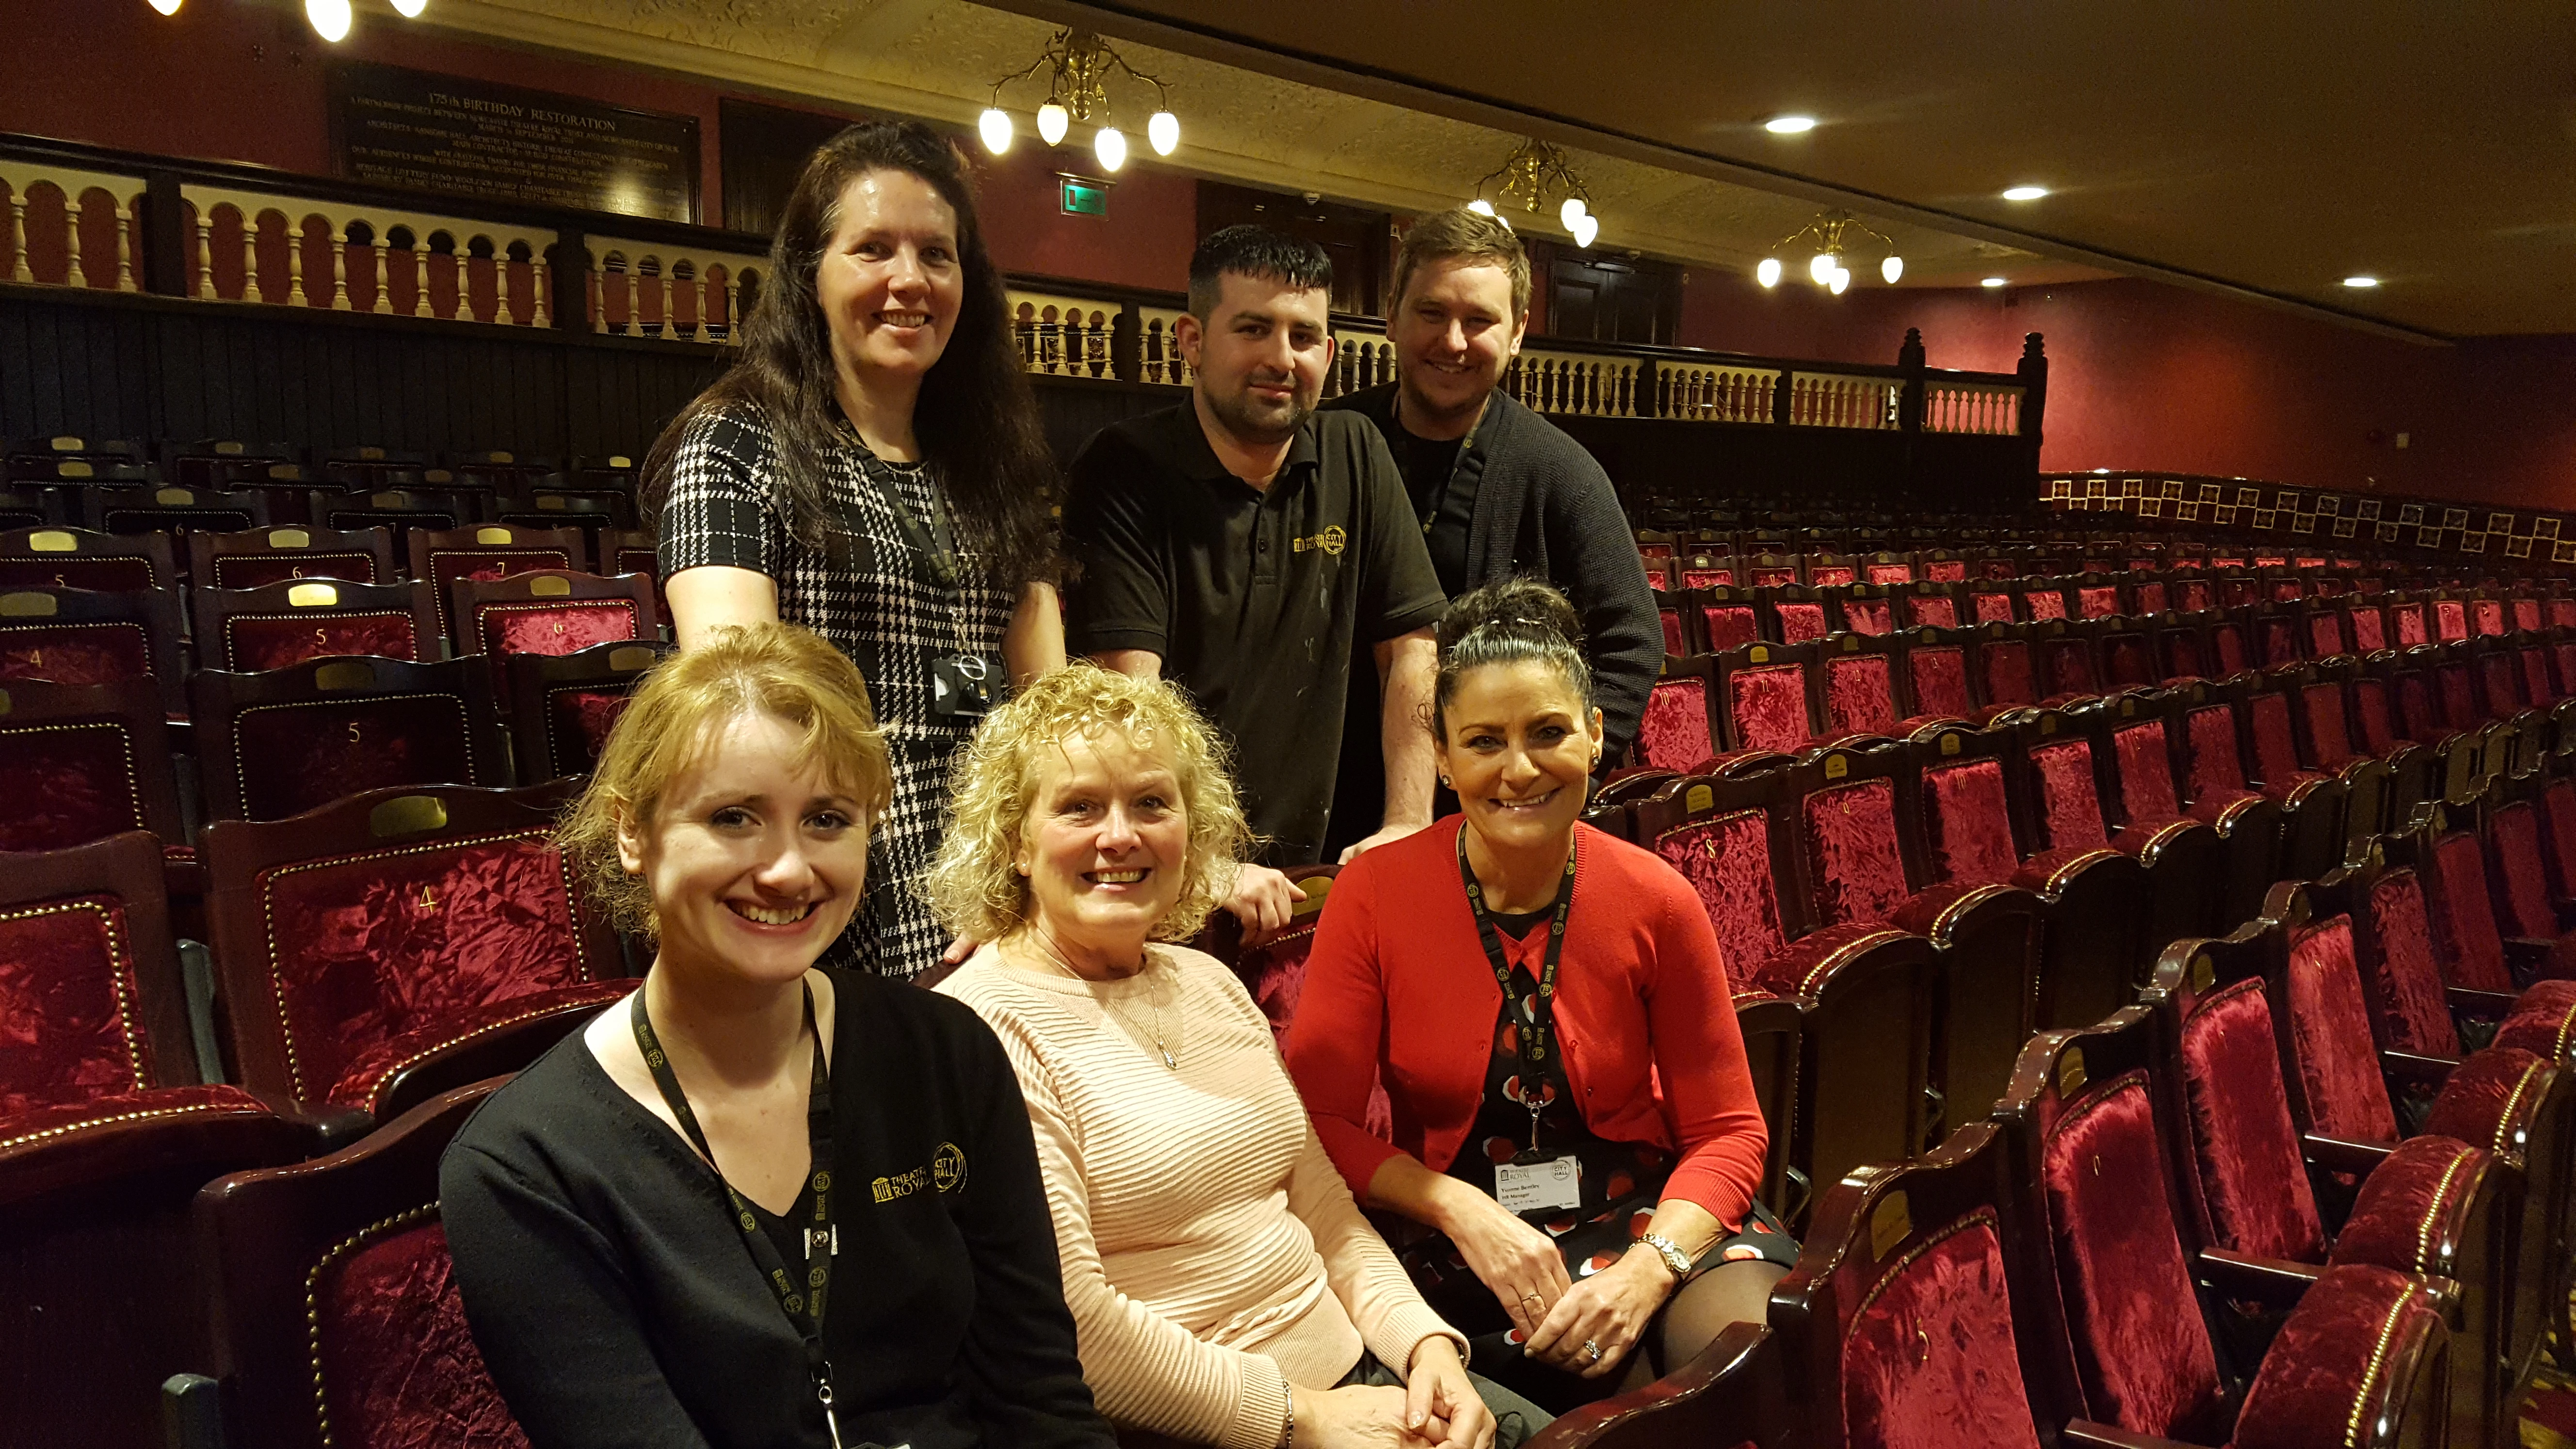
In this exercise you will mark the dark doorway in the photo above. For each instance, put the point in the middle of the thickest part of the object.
(1610, 299)
(1354, 237)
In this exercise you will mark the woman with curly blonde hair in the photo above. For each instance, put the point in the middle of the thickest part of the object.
(1224, 1287)
(647, 1229)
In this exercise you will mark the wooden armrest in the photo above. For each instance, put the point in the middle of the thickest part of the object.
(2085, 1431)
(2522, 955)
(2430, 1071)
(2276, 1282)
(2336, 1154)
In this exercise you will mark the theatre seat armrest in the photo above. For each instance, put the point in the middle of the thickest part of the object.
(2338, 1154)
(1942, 912)
(192, 1412)
(1806, 965)
(2274, 1282)
(1742, 762)
(2084, 1432)
(2408, 1066)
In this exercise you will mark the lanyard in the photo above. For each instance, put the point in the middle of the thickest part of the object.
(936, 544)
(1533, 1022)
(803, 1304)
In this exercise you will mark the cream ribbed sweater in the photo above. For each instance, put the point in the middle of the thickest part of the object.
(1212, 1255)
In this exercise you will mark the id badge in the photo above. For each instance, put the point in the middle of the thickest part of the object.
(1529, 1187)
(964, 686)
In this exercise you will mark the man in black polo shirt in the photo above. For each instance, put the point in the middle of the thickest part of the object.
(1496, 489)
(1245, 547)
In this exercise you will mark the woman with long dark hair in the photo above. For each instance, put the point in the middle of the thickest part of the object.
(873, 469)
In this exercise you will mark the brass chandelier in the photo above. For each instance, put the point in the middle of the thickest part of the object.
(1530, 176)
(1832, 236)
(1079, 66)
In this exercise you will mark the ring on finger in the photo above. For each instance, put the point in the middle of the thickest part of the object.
(1591, 1351)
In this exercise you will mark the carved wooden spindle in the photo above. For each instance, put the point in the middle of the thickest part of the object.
(732, 317)
(251, 289)
(598, 286)
(382, 251)
(539, 284)
(670, 324)
(294, 263)
(420, 276)
(205, 254)
(124, 249)
(339, 269)
(74, 209)
(18, 239)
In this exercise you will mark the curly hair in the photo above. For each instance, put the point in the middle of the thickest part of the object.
(973, 887)
(784, 671)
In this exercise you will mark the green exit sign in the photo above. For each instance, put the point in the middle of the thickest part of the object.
(1085, 198)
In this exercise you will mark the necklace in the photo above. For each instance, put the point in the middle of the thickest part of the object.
(1055, 959)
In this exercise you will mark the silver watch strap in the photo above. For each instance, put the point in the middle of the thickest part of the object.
(1674, 1258)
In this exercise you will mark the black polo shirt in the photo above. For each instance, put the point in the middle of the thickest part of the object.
(1260, 602)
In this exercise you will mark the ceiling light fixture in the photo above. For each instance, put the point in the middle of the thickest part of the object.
(1992, 282)
(1529, 176)
(330, 18)
(1078, 90)
(1828, 235)
(410, 9)
(2361, 283)
(2024, 193)
(166, 7)
(1789, 125)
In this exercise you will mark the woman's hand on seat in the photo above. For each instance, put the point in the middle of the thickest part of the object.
(1516, 1262)
(1437, 1391)
(1360, 1417)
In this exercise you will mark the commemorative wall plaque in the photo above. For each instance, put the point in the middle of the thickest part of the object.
(428, 132)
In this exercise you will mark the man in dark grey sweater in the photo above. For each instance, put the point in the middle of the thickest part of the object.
(1498, 489)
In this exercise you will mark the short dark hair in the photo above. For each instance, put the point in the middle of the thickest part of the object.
(1506, 622)
(1254, 251)
(1460, 234)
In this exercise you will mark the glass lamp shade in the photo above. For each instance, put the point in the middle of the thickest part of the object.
(1768, 274)
(1163, 131)
(1841, 282)
(1481, 207)
(1891, 269)
(330, 18)
(1820, 268)
(1571, 212)
(410, 9)
(1111, 147)
(166, 7)
(1053, 122)
(995, 127)
(1585, 229)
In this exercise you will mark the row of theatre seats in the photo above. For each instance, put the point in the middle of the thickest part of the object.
(239, 1065)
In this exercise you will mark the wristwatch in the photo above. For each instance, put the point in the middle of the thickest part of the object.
(1674, 1258)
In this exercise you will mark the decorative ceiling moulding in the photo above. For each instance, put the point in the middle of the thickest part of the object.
(1209, 43)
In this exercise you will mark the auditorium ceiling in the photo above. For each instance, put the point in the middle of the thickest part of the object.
(2267, 161)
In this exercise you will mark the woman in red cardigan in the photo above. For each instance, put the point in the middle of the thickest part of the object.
(1584, 1146)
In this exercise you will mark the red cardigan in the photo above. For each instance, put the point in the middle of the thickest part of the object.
(1398, 988)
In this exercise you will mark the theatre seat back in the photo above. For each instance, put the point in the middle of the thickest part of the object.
(85, 977)
(339, 1321)
(248, 630)
(1967, 810)
(1674, 733)
(1764, 691)
(388, 922)
(563, 706)
(259, 557)
(2515, 851)
(83, 762)
(1860, 689)
(2405, 973)
(2331, 1044)
(2253, 1185)
(76, 558)
(1855, 861)
(2004, 664)
(288, 740)
(1733, 858)
(2068, 790)
(2462, 908)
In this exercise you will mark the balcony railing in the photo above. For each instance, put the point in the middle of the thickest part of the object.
(85, 218)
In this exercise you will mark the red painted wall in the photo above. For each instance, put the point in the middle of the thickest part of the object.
(2141, 375)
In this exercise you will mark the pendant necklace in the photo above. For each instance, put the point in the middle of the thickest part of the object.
(1058, 962)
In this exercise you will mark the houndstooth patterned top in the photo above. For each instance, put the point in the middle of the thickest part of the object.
(875, 598)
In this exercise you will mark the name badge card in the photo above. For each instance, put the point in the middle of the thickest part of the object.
(1527, 1187)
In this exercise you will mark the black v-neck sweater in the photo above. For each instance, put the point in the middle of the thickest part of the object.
(616, 1304)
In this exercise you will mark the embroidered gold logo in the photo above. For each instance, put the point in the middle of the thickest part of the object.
(902, 1184)
(945, 1172)
(948, 1167)
(1331, 541)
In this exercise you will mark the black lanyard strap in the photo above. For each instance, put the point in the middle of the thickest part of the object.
(802, 1302)
(1534, 1019)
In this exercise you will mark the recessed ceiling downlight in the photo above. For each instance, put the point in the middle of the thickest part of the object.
(1993, 282)
(1789, 125)
(2024, 193)
(2361, 282)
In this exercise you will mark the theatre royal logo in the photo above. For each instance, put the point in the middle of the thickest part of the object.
(1331, 541)
(946, 1171)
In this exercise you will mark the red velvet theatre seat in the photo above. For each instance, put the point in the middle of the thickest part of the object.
(1938, 676)
(82, 762)
(563, 705)
(106, 1130)
(548, 613)
(337, 1315)
(262, 556)
(1764, 698)
(1725, 615)
(249, 630)
(1864, 988)
(75, 558)
(289, 740)
(2477, 919)
(86, 636)
(387, 947)
(439, 557)
(2090, 1154)
(1676, 733)
(177, 511)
